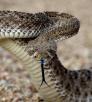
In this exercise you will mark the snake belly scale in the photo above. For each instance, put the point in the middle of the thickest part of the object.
(32, 36)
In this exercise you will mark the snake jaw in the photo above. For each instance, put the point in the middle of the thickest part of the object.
(33, 52)
(36, 53)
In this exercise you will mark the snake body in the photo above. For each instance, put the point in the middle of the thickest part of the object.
(32, 36)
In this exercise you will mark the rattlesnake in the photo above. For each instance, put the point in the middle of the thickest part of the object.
(32, 36)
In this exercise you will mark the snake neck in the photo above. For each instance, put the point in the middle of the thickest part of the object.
(72, 85)
(57, 73)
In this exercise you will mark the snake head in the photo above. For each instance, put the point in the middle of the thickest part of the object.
(40, 48)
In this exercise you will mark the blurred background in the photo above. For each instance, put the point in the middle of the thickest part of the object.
(75, 53)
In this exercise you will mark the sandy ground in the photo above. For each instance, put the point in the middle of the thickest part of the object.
(74, 53)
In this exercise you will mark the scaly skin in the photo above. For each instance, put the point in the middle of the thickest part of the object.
(31, 37)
